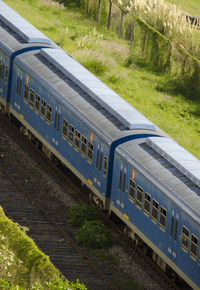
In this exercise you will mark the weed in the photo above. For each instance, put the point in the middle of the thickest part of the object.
(103, 255)
(93, 234)
(81, 212)
(125, 284)
(95, 66)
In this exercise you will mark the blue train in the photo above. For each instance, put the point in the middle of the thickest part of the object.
(132, 168)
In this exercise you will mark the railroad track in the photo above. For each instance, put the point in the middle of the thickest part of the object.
(53, 248)
(66, 255)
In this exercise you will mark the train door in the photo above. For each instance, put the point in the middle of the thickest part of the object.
(56, 125)
(17, 94)
(99, 164)
(4, 64)
(174, 229)
(122, 184)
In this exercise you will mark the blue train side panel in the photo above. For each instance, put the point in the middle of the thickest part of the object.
(90, 170)
(155, 217)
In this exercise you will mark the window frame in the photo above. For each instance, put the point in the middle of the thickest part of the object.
(31, 98)
(71, 135)
(64, 128)
(37, 101)
(164, 216)
(131, 180)
(105, 165)
(156, 209)
(26, 93)
(187, 238)
(48, 114)
(6, 75)
(83, 146)
(148, 203)
(43, 109)
(77, 140)
(90, 151)
(139, 202)
(120, 180)
(192, 255)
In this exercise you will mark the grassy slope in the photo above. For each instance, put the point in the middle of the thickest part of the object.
(175, 114)
(190, 6)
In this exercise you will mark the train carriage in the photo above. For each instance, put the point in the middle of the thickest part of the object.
(16, 36)
(71, 119)
(132, 168)
(156, 193)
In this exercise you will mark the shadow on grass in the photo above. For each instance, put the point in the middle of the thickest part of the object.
(188, 88)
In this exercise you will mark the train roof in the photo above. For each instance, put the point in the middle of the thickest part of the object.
(97, 90)
(20, 27)
(169, 166)
(59, 72)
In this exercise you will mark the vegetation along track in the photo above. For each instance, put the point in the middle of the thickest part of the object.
(47, 237)
(26, 208)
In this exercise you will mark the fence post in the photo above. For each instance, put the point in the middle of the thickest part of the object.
(98, 10)
(109, 14)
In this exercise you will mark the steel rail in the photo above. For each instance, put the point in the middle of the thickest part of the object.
(60, 230)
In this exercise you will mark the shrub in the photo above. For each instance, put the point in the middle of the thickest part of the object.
(79, 213)
(93, 234)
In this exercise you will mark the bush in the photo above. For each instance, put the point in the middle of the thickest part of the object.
(79, 213)
(95, 66)
(93, 234)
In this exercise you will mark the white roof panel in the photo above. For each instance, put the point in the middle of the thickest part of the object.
(184, 161)
(23, 28)
(97, 90)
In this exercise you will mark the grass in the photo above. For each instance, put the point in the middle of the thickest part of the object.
(192, 7)
(22, 264)
(152, 94)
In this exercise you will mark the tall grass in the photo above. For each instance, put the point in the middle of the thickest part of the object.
(169, 20)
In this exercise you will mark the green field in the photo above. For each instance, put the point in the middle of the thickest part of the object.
(106, 56)
(192, 6)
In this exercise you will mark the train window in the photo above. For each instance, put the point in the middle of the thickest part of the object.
(97, 160)
(83, 146)
(193, 247)
(185, 239)
(55, 119)
(71, 135)
(100, 161)
(124, 183)
(163, 218)
(43, 109)
(17, 89)
(120, 180)
(147, 203)
(139, 197)
(131, 192)
(26, 92)
(154, 213)
(77, 140)
(31, 100)
(6, 74)
(49, 114)
(2, 71)
(90, 152)
(176, 231)
(172, 227)
(105, 164)
(37, 103)
(64, 129)
(19, 86)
